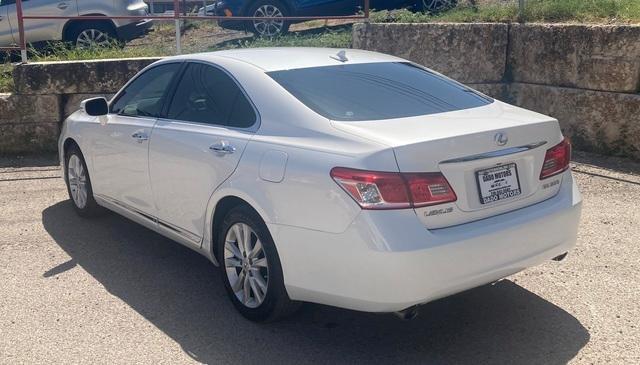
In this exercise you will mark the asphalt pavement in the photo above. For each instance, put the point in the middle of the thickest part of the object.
(107, 290)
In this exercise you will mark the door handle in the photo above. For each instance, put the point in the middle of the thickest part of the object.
(223, 147)
(140, 136)
(62, 6)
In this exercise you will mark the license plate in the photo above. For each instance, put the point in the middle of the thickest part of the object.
(498, 183)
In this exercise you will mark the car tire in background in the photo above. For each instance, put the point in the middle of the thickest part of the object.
(434, 6)
(268, 28)
(78, 182)
(89, 34)
(251, 268)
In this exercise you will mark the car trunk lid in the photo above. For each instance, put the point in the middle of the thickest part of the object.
(483, 152)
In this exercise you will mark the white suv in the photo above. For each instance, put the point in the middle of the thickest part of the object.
(79, 32)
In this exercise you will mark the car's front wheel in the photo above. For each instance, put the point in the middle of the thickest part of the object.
(79, 184)
(266, 27)
(251, 267)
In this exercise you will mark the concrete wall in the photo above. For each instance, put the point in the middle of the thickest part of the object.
(588, 77)
(29, 123)
(46, 93)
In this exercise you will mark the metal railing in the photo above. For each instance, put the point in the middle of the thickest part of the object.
(177, 17)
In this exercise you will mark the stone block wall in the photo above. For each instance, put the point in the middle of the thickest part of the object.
(29, 123)
(48, 92)
(586, 76)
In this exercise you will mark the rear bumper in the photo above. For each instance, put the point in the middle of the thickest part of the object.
(387, 260)
(134, 30)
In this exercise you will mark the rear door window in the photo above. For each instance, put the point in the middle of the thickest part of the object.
(208, 95)
(373, 91)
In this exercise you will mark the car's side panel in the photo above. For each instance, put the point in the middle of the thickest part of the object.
(185, 170)
(39, 30)
(6, 36)
(114, 7)
(120, 160)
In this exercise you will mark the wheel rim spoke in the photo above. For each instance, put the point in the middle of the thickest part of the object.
(233, 248)
(257, 294)
(233, 262)
(257, 248)
(260, 262)
(237, 287)
(246, 295)
(260, 282)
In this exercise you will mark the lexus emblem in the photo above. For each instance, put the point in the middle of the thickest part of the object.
(501, 139)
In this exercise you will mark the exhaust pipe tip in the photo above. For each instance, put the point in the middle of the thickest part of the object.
(560, 257)
(407, 314)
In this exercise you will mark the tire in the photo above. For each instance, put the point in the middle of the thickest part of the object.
(434, 6)
(247, 293)
(87, 34)
(78, 182)
(268, 28)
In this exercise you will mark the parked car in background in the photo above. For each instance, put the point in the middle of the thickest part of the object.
(284, 8)
(81, 33)
(342, 177)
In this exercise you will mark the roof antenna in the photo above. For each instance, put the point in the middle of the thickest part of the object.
(341, 56)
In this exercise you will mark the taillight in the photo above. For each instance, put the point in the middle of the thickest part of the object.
(429, 188)
(557, 159)
(393, 190)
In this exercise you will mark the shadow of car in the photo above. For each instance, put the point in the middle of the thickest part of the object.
(181, 293)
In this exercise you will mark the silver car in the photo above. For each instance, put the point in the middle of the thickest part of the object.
(82, 33)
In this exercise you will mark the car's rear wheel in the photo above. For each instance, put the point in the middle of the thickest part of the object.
(268, 9)
(251, 267)
(89, 35)
(79, 184)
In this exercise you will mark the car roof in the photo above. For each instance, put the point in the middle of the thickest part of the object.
(287, 58)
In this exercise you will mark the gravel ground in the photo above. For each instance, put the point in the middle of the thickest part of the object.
(110, 291)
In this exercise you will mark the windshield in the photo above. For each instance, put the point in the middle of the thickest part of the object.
(373, 91)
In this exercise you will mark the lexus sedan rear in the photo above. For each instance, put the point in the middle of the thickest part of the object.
(343, 177)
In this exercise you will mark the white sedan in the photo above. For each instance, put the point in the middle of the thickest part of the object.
(343, 177)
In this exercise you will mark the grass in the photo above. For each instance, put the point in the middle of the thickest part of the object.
(336, 38)
(339, 37)
(541, 11)
(6, 78)
(61, 52)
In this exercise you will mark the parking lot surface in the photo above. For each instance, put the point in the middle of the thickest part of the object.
(107, 290)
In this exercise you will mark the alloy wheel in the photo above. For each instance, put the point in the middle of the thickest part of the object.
(246, 265)
(268, 27)
(92, 38)
(77, 176)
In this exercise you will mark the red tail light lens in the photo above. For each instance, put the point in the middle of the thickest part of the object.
(556, 160)
(429, 189)
(393, 190)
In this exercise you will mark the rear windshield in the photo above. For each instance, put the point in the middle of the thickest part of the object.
(373, 91)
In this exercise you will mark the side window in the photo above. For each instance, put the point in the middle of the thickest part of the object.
(144, 97)
(207, 94)
(8, 2)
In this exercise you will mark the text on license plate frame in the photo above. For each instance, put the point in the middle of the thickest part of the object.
(488, 199)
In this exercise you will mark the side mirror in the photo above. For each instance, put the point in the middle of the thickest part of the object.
(95, 107)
